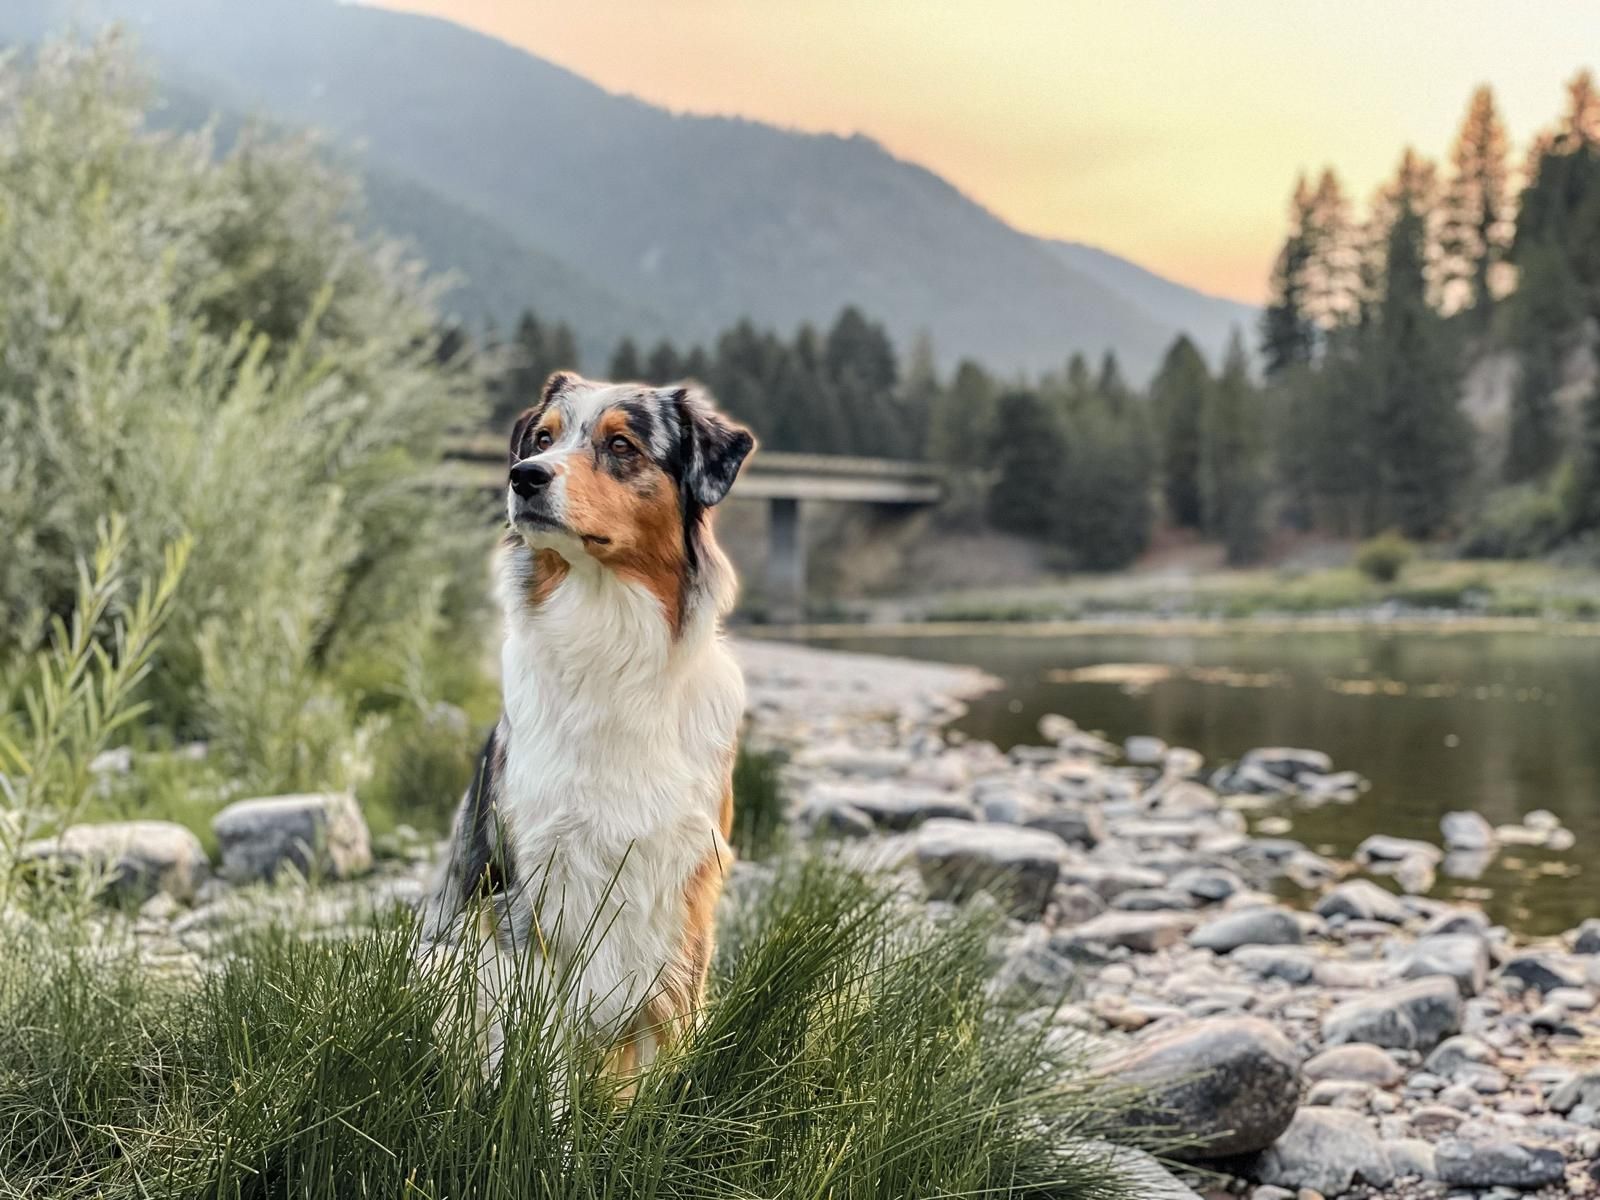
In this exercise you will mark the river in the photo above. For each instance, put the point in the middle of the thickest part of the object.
(1499, 722)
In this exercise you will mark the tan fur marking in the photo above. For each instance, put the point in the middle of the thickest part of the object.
(725, 817)
(641, 521)
(549, 569)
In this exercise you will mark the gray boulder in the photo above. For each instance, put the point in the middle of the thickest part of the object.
(1144, 751)
(1140, 1174)
(1543, 972)
(1110, 880)
(892, 806)
(1453, 1054)
(1288, 762)
(1142, 932)
(1583, 1088)
(1466, 831)
(318, 834)
(1498, 1163)
(1328, 1150)
(1462, 956)
(1262, 926)
(1071, 823)
(1226, 1085)
(137, 858)
(1586, 937)
(1362, 900)
(1356, 1063)
(1208, 885)
(1381, 848)
(1413, 1016)
(1019, 866)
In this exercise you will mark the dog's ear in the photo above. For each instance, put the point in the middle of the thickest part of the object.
(558, 382)
(521, 431)
(714, 447)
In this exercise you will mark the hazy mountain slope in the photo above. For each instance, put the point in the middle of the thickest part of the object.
(1209, 320)
(703, 220)
(488, 277)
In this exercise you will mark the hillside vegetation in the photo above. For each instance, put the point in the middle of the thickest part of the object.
(695, 222)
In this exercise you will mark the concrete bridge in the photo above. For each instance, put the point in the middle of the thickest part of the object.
(783, 480)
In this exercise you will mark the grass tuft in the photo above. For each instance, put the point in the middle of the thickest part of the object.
(850, 1049)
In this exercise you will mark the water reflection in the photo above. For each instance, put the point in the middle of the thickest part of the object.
(1501, 723)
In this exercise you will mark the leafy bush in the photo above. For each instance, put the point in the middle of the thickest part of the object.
(850, 1049)
(1519, 522)
(59, 709)
(204, 345)
(1383, 558)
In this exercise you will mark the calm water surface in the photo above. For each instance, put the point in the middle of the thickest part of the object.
(1503, 723)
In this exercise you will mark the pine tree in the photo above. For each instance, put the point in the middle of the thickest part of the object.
(1233, 460)
(1331, 268)
(919, 395)
(1288, 333)
(663, 365)
(1547, 315)
(1584, 503)
(625, 366)
(859, 362)
(1476, 228)
(961, 425)
(1178, 397)
(1425, 452)
(561, 349)
(1028, 453)
(1104, 489)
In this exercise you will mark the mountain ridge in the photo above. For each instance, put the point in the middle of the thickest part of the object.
(700, 219)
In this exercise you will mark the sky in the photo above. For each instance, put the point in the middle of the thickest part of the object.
(1167, 131)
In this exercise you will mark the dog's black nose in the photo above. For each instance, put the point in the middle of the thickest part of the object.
(528, 477)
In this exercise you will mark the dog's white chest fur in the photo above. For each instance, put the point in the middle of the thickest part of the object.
(620, 739)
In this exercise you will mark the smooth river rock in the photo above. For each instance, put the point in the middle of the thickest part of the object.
(1357, 1062)
(1362, 900)
(319, 835)
(1412, 1016)
(1466, 831)
(1328, 1150)
(1498, 1163)
(1264, 926)
(1020, 866)
(1142, 932)
(138, 858)
(1227, 1085)
(1462, 956)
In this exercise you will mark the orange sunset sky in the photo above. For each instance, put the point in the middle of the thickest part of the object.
(1169, 131)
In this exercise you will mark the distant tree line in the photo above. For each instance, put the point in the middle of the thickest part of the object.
(1374, 324)
(1352, 423)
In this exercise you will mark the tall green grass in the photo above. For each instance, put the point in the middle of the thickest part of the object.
(850, 1049)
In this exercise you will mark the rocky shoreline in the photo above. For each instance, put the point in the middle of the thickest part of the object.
(1357, 1043)
(1368, 1044)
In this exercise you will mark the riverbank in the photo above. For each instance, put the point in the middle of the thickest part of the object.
(1426, 590)
(1363, 1041)
(1369, 1043)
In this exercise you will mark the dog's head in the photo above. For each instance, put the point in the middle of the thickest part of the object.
(621, 472)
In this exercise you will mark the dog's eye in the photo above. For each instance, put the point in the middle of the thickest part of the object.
(542, 440)
(620, 446)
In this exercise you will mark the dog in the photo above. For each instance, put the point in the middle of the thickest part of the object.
(595, 831)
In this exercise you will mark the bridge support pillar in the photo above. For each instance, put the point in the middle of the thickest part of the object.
(786, 561)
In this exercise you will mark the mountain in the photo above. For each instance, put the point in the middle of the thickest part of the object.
(1209, 320)
(504, 166)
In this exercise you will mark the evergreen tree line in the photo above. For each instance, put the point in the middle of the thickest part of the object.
(1355, 425)
(1070, 457)
(1374, 324)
